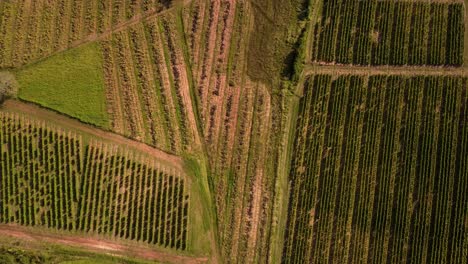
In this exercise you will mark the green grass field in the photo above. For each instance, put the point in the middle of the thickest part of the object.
(70, 82)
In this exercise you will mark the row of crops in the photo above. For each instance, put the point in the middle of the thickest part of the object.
(56, 179)
(147, 85)
(376, 32)
(30, 30)
(237, 118)
(379, 171)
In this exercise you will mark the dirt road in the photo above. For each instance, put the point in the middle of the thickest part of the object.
(97, 245)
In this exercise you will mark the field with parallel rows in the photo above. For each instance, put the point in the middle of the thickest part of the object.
(389, 33)
(237, 120)
(31, 30)
(148, 85)
(57, 179)
(379, 171)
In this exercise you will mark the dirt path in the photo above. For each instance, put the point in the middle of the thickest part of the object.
(44, 114)
(375, 70)
(96, 245)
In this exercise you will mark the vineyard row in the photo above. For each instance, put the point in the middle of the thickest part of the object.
(379, 171)
(31, 30)
(147, 85)
(55, 179)
(389, 33)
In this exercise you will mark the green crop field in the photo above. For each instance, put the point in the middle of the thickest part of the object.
(379, 170)
(55, 179)
(71, 82)
(390, 32)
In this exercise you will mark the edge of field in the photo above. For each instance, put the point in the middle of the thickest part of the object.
(81, 243)
(61, 121)
(59, 253)
(465, 45)
(291, 101)
(193, 168)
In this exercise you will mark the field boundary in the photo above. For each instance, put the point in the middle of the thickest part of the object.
(62, 120)
(97, 245)
(341, 69)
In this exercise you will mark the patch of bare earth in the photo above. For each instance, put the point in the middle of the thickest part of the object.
(206, 67)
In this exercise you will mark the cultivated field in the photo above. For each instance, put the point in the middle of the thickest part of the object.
(389, 32)
(239, 131)
(379, 171)
(148, 87)
(31, 30)
(54, 178)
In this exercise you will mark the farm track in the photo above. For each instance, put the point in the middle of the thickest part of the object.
(97, 245)
(36, 111)
(385, 70)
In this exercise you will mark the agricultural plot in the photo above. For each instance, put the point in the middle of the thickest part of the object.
(389, 33)
(31, 30)
(148, 86)
(61, 180)
(70, 82)
(379, 171)
(236, 119)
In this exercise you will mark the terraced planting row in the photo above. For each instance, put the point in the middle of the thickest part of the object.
(237, 120)
(57, 179)
(148, 87)
(213, 30)
(30, 30)
(375, 32)
(379, 171)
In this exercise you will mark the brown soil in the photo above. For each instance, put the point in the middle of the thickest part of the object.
(207, 64)
(96, 245)
(42, 113)
(257, 187)
(240, 158)
(166, 85)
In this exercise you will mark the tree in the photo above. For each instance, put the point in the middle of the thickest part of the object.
(8, 86)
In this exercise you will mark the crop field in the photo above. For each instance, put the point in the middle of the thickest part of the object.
(31, 30)
(237, 131)
(147, 85)
(57, 179)
(238, 124)
(74, 71)
(379, 171)
(390, 33)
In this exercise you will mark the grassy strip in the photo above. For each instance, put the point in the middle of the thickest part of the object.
(69, 82)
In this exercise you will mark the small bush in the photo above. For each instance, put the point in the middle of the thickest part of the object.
(8, 86)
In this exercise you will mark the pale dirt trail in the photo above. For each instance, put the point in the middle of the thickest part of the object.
(97, 245)
(42, 113)
(384, 70)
